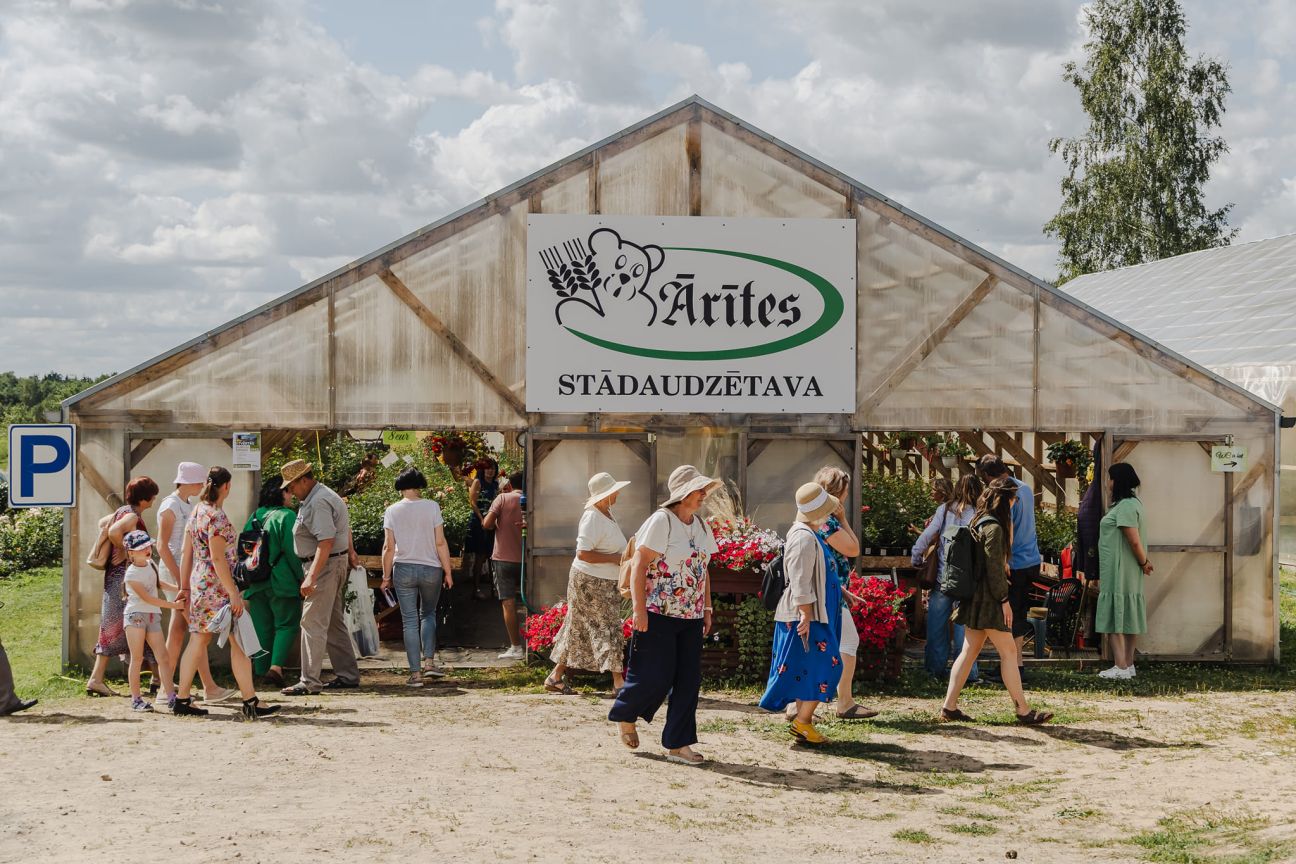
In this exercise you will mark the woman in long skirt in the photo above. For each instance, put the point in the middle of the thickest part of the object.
(591, 637)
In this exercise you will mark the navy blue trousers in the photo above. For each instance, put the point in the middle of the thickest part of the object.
(667, 659)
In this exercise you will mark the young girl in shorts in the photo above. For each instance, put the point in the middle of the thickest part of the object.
(143, 617)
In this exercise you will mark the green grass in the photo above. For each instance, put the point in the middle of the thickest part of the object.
(909, 835)
(1204, 836)
(31, 626)
(975, 829)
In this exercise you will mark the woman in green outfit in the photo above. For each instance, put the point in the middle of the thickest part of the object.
(988, 615)
(276, 604)
(1122, 564)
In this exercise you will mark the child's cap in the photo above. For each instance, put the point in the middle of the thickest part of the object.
(137, 540)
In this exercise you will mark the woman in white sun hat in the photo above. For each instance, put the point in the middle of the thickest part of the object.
(590, 637)
(671, 595)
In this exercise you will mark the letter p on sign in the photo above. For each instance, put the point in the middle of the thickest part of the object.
(42, 465)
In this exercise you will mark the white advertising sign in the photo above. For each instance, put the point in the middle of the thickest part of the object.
(247, 451)
(676, 314)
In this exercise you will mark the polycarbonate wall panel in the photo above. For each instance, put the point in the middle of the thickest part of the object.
(161, 463)
(393, 370)
(979, 376)
(100, 449)
(546, 580)
(775, 475)
(649, 179)
(274, 377)
(1254, 613)
(560, 484)
(1185, 604)
(1088, 381)
(739, 180)
(1183, 500)
(907, 287)
(569, 196)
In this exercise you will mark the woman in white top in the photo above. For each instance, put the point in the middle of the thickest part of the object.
(173, 515)
(590, 637)
(416, 558)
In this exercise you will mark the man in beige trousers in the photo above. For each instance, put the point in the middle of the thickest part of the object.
(322, 537)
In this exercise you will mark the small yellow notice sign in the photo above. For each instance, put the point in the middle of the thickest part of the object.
(398, 437)
(1225, 459)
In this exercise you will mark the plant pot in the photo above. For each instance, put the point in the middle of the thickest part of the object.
(726, 581)
(906, 443)
(1066, 468)
(949, 461)
(898, 452)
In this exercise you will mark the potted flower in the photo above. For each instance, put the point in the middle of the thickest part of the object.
(929, 446)
(744, 549)
(1069, 457)
(952, 450)
(540, 630)
(882, 627)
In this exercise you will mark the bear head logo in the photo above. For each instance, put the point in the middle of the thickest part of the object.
(623, 267)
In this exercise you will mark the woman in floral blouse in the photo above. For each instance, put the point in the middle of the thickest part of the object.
(671, 596)
(210, 553)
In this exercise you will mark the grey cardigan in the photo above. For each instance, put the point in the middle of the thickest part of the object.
(806, 571)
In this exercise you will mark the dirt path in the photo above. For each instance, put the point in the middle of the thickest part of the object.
(473, 774)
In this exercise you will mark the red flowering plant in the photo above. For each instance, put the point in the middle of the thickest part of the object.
(878, 617)
(541, 629)
(743, 546)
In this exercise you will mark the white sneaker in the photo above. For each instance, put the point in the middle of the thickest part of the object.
(433, 672)
(1114, 672)
(1128, 673)
(515, 652)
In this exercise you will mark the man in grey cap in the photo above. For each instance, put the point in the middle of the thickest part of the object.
(322, 537)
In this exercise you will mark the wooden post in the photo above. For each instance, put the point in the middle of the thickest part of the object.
(857, 483)
(693, 153)
(742, 467)
(595, 200)
(332, 357)
(1228, 565)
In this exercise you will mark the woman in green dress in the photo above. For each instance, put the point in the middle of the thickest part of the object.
(276, 604)
(1122, 564)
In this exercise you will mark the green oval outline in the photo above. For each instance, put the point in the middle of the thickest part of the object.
(834, 306)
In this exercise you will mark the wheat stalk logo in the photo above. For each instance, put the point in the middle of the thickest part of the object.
(573, 275)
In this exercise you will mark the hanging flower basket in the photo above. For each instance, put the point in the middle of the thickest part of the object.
(1066, 468)
(949, 461)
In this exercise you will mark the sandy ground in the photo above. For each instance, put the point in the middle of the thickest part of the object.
(463, 772)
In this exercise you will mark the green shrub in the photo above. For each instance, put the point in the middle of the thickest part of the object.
(336, 460)
(367, 506)
(895, 508)
(30, 538)
(1055, 531)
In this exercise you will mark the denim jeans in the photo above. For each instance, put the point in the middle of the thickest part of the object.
(418, 587)
(937, 653)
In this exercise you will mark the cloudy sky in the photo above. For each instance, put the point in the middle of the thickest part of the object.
(166, 165)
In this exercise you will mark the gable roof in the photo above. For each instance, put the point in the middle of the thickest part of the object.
(690, 108)
(1228, 306)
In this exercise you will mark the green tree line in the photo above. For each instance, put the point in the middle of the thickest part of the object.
(28, 399)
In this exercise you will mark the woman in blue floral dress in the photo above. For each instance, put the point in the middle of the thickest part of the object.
(805, 662)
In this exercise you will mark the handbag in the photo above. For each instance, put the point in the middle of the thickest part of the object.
(627, 562)
(100, 556)
(930, 568)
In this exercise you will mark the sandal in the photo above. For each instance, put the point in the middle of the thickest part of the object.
(559, 686)
(680, 759)
(297, 690)
(1034, 718)
(856, 712)
(100, 689)
(957, 716)
(631, 738)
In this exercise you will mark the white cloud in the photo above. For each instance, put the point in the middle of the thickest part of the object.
(182, 163)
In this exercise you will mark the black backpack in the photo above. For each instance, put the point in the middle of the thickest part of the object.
(773, 583)
(254, 564)
(964, 562)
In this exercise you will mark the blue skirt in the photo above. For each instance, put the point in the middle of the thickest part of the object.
(798, 674)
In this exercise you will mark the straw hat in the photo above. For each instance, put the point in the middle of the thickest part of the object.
(814, 504)
(601, 485)
(188, 473)
(684, 481)
(294, 470)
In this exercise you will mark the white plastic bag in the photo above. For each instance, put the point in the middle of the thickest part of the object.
(359, 614)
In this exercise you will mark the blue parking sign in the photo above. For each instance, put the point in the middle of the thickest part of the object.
(42, 465)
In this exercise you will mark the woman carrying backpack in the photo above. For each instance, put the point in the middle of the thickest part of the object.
(988, 615)
(940, 607)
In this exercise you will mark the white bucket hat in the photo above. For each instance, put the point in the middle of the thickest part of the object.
(190, 472)
(814, 504)
(684, 481)
(603, 484)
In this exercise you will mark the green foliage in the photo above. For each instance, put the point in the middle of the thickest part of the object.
(31, 609)
(1134, 186)
(336, 460)
(952, 445)
(29, 539)
(755, 637)
(893, 506)
(367, 505)
(1055, 530)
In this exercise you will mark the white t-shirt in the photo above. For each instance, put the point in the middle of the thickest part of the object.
(598, 533)
(146, 576)
(676, 581)
(413, 523)
(182, 509)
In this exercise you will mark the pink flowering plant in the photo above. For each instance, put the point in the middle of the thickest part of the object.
(743, 545)
(541, 629)
(878, 616)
